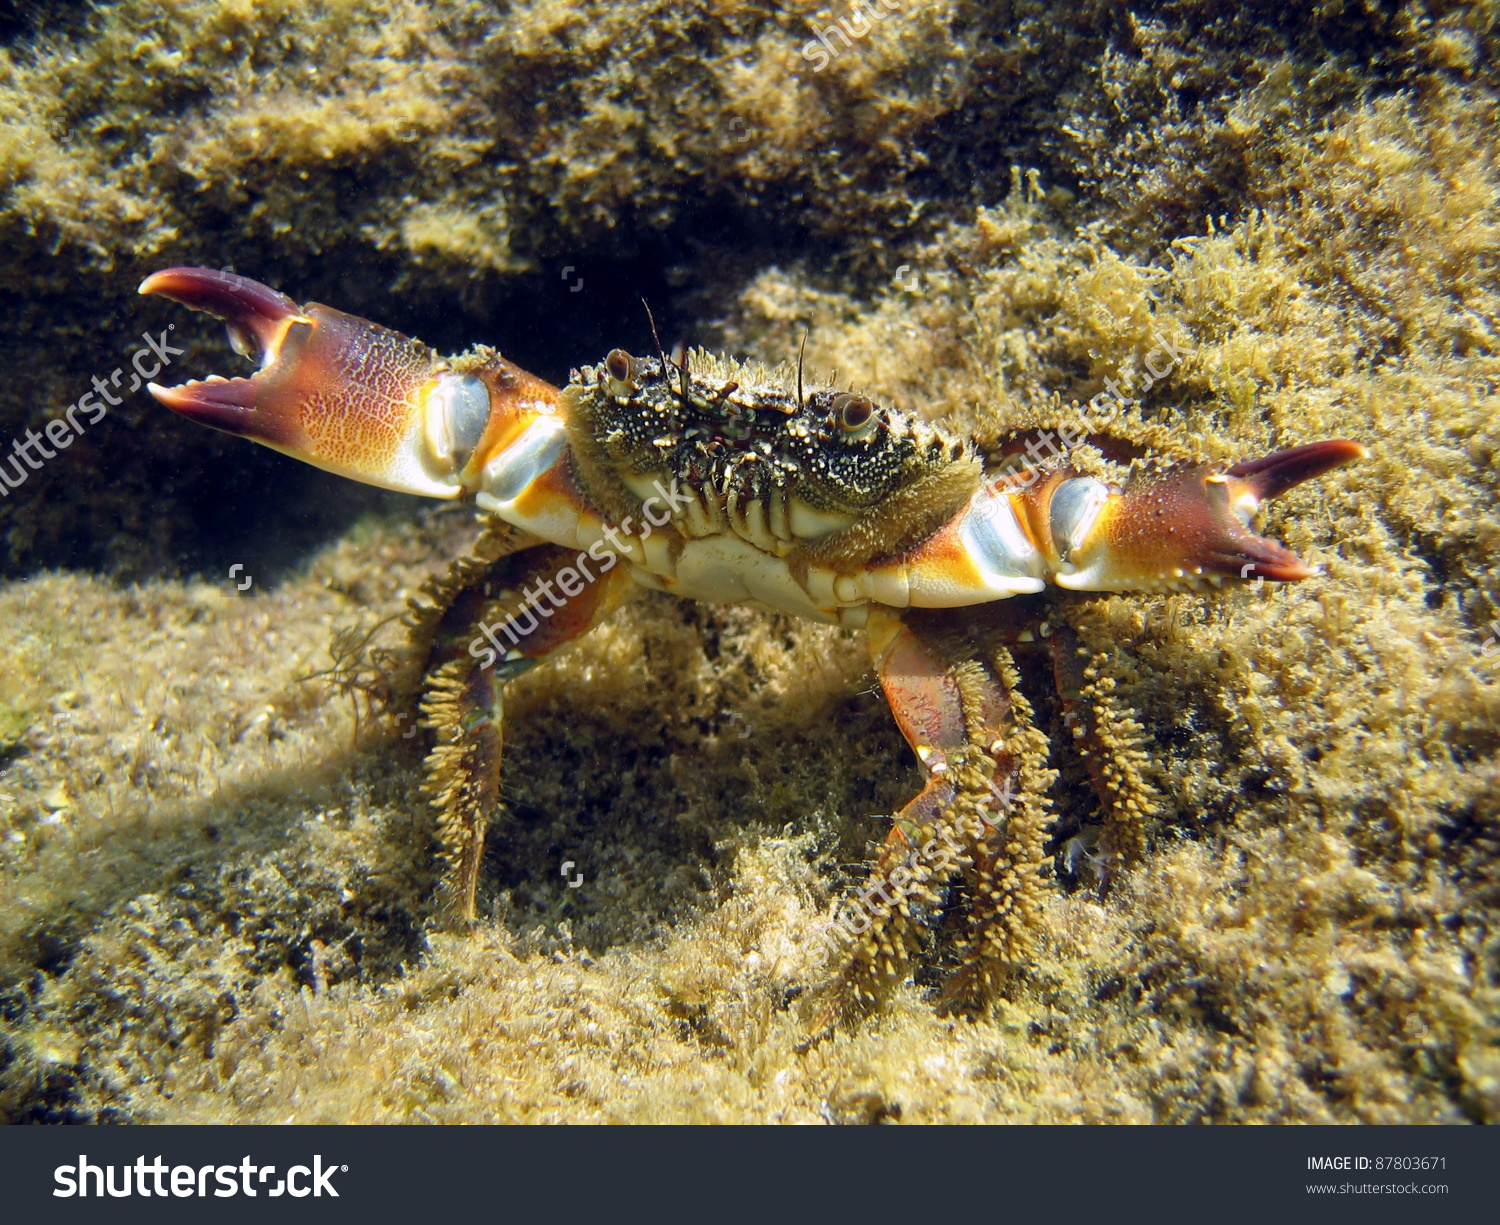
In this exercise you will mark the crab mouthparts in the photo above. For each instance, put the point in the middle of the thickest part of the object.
(258, 319)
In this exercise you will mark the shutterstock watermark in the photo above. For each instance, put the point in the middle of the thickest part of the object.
(1114, 398)
(862, 17)
(571, 579)
(933, 860)
(192, 1182)
(1108, 404)
(62, 431)
(1488, 649)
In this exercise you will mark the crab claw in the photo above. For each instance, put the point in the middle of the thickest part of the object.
(345, 394)
(1183, 527)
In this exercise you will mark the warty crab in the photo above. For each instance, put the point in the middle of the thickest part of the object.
(725, 482)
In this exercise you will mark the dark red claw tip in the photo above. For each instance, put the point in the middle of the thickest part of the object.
(1273, 475)
(223, 404)
(253, 312)
(240, 302)
(1257, 557)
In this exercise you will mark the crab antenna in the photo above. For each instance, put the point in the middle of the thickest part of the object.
(660, 352)
(800, 354)
(682, 366)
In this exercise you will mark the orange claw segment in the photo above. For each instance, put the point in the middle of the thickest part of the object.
(518, 399)
(334, 390)
(1189, 526)
(356, 390)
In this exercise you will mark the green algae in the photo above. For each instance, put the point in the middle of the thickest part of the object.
(219, 904)
(13, 724)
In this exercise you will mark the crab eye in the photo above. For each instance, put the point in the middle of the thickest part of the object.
(617, 362)
(619, 366)
(855, 415)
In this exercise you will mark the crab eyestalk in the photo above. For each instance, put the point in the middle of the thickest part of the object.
(349, 396)
(1179, 530)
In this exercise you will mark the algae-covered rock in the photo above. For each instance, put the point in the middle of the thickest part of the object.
(219, 888)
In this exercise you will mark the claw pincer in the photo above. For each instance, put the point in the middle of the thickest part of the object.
(348, 395)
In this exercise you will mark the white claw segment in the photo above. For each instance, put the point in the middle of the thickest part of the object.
(1075, 509)
(454, 415)
(984, 553)
(999, 548)
(889, 585)
(1244, 503)
(509, 472)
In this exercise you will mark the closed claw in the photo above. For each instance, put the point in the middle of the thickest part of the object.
(348, 395)
(1181, 529)
(1186, 526)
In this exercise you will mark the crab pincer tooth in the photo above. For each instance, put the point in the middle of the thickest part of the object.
(1179, 529)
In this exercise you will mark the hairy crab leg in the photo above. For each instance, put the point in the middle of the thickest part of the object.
(1107, 738)
(485, 629)
(1105, 735)
(981, 811)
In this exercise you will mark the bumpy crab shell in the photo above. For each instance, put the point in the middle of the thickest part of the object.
(727, 482)
(826, 474)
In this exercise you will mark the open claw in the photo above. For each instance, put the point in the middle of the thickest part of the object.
(256, 314)
(333, 389)
(348, 395)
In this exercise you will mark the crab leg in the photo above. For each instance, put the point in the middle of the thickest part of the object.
(1103, 733)
(1107, 739)
(490, 624)
(980, 812)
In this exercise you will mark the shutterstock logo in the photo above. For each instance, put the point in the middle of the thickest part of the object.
(187, 1181)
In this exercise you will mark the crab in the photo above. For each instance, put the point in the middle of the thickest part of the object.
(723, 481)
